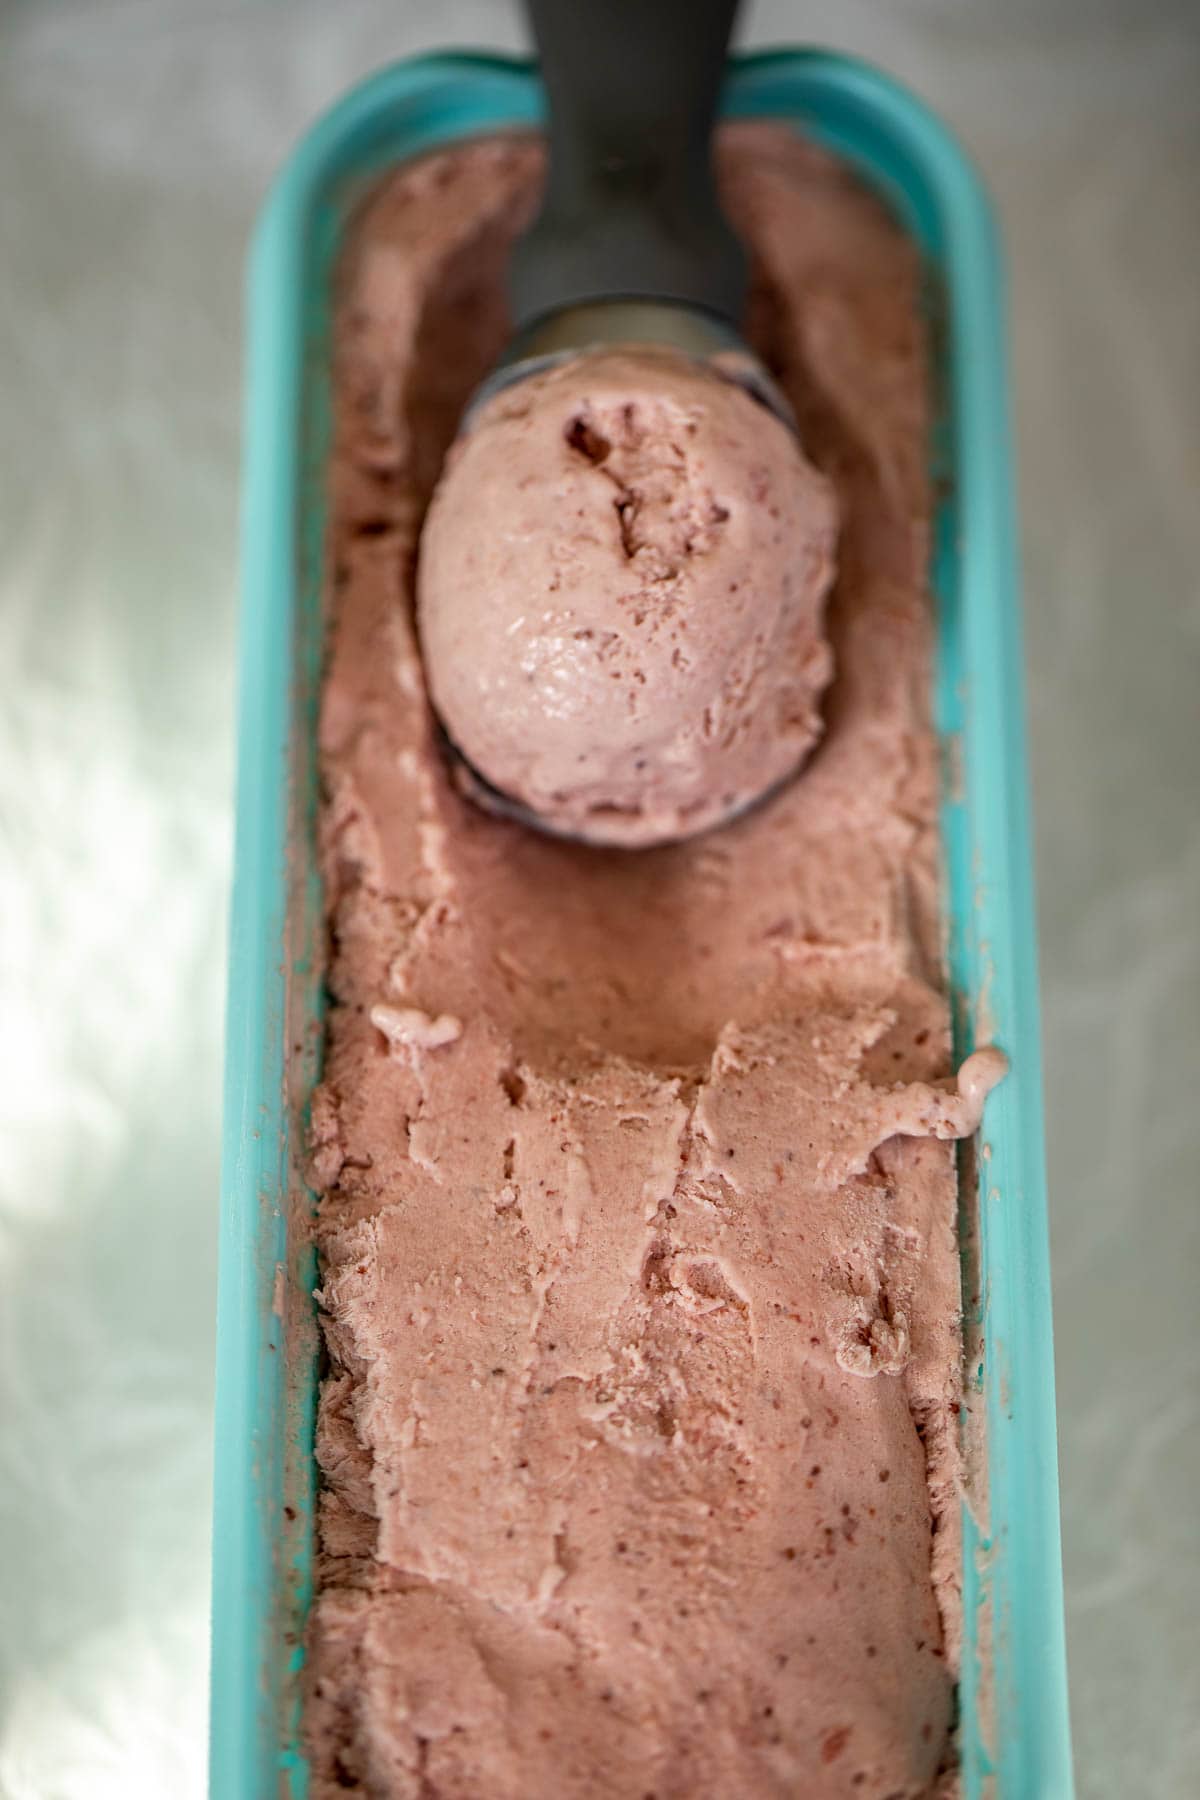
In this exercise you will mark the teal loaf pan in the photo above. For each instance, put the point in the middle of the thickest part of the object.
(1013, 1704)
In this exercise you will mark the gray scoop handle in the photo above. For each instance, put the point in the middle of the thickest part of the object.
(630, 210)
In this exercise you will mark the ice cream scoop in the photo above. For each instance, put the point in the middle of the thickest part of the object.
(630, 245)
(622, 582)
(623, 572)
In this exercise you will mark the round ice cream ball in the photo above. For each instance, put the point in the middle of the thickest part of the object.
(620, 593)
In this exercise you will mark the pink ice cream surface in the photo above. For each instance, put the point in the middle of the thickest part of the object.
(621, 587)
(639, 1274)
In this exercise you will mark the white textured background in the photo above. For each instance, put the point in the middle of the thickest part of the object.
(136, 140)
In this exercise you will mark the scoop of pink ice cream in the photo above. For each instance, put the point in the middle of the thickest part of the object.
(621, 590)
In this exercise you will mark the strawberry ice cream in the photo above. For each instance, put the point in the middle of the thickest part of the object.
(640, 1282)
(620, 592)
